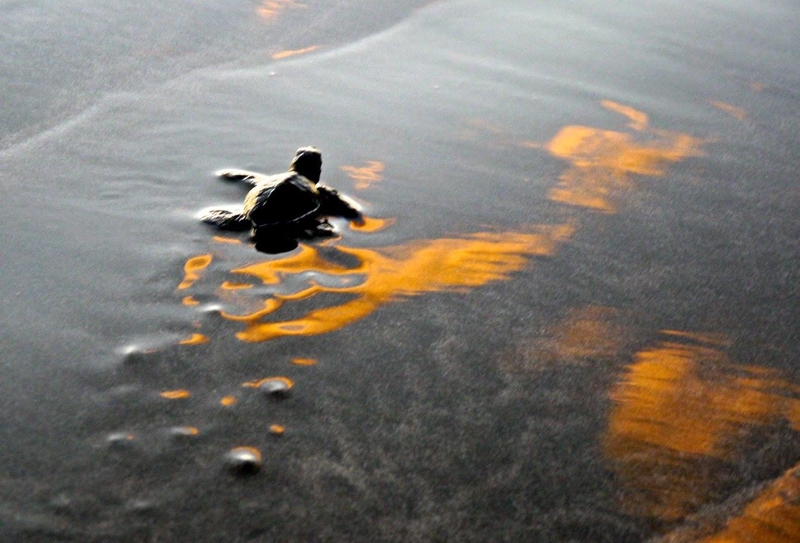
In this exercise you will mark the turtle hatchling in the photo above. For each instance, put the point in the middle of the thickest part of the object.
(286, 205)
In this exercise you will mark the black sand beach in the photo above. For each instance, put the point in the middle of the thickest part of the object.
(571, 313)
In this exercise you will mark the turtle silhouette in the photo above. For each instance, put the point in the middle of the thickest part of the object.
(285, 206)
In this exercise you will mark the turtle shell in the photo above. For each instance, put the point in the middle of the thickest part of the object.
(283, 200)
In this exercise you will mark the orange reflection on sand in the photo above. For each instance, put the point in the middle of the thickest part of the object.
(175, 394)
(276, 429)
(639, 120)
(732, 110)
(269, 9)
(681, 411)
(369, 225)
(602, 160)
(192, 269)
(304, 361)
(365, 176)
(294, 52)
(223, 239)
(194, 339)
(229, 285)
(772, 517)
(585, 334)
(393, 274)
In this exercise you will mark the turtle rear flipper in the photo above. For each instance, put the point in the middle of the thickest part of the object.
(251, 178)
(226, 219)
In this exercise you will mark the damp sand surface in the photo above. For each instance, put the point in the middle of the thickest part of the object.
(570, 313)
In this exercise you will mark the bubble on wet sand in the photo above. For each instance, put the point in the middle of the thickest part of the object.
(243, 460)
(272, 387)
(276, 388)
(180, 433)
(119, 440)
(212, 309)
(136, 354)
(61, 503)
(140, 506)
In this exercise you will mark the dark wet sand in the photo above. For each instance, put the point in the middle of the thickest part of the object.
(571, 315)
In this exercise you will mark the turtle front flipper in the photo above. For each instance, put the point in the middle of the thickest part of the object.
(337, 205)
(251, 178)
(226, 219)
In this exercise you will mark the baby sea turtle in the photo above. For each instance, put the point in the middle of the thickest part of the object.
(286, 205)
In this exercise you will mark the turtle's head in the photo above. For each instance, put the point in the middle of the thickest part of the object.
(308, 163)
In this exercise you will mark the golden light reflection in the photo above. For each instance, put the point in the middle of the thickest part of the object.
(365, 176)
(585, 334)
(772, 517)
(194, 339)
(228, 401)
(269, 9)
(304, 361)
(192, 270)
(589, 332)
(294, 52)
(602, 160)
(639, 120)
(682, 412)
(368, 225)
(731, 110)
(229, 285)
(189, 300)
(223, 239)
(392, 274)
(276, 429)
(175, 394)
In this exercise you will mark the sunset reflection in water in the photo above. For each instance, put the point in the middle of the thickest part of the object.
(683, 414)
(389, 275)
(365, 176)
(270, 9)
(601, 160)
